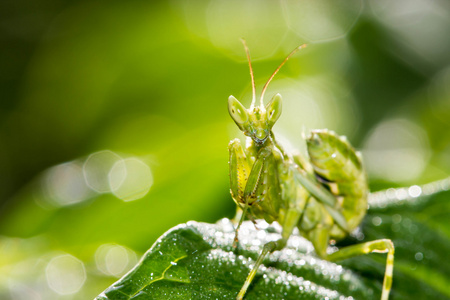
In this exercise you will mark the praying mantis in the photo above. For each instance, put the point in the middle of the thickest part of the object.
(324, 195)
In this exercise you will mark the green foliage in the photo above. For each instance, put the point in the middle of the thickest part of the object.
(197, 261)
(150, 80)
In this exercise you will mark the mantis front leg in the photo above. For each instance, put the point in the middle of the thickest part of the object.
(256, 188)
(247, 183)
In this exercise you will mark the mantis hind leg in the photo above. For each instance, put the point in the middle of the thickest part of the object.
(377, 246)
(320, 239)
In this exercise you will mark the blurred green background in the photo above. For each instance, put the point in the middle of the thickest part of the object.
(114, 125)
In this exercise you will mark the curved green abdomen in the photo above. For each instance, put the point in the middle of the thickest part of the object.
(339, 167)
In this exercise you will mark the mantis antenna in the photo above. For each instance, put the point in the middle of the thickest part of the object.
(276, 71)
(251, 74)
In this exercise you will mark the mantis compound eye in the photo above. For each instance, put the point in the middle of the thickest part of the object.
(273, 109)
(237, 112)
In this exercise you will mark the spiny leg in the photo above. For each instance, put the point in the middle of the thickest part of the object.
(244, 183)
(239, 173)
(253, 181)
(377, 246)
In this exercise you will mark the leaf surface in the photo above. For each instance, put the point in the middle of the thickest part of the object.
(197, 261)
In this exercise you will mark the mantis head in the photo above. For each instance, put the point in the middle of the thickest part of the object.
(257, 121)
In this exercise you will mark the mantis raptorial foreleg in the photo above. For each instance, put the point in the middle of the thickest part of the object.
(247, 184)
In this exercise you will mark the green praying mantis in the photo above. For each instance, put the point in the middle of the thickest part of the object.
(324, 196)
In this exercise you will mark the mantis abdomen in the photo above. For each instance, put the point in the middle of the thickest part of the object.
(338, 166)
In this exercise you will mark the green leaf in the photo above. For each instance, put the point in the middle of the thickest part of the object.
(197, 261)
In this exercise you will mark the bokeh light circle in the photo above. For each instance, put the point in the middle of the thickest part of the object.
(130, 179)
(114, 260)
(322, 20)
(96, 169)
(65, 274)
(64, 184)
